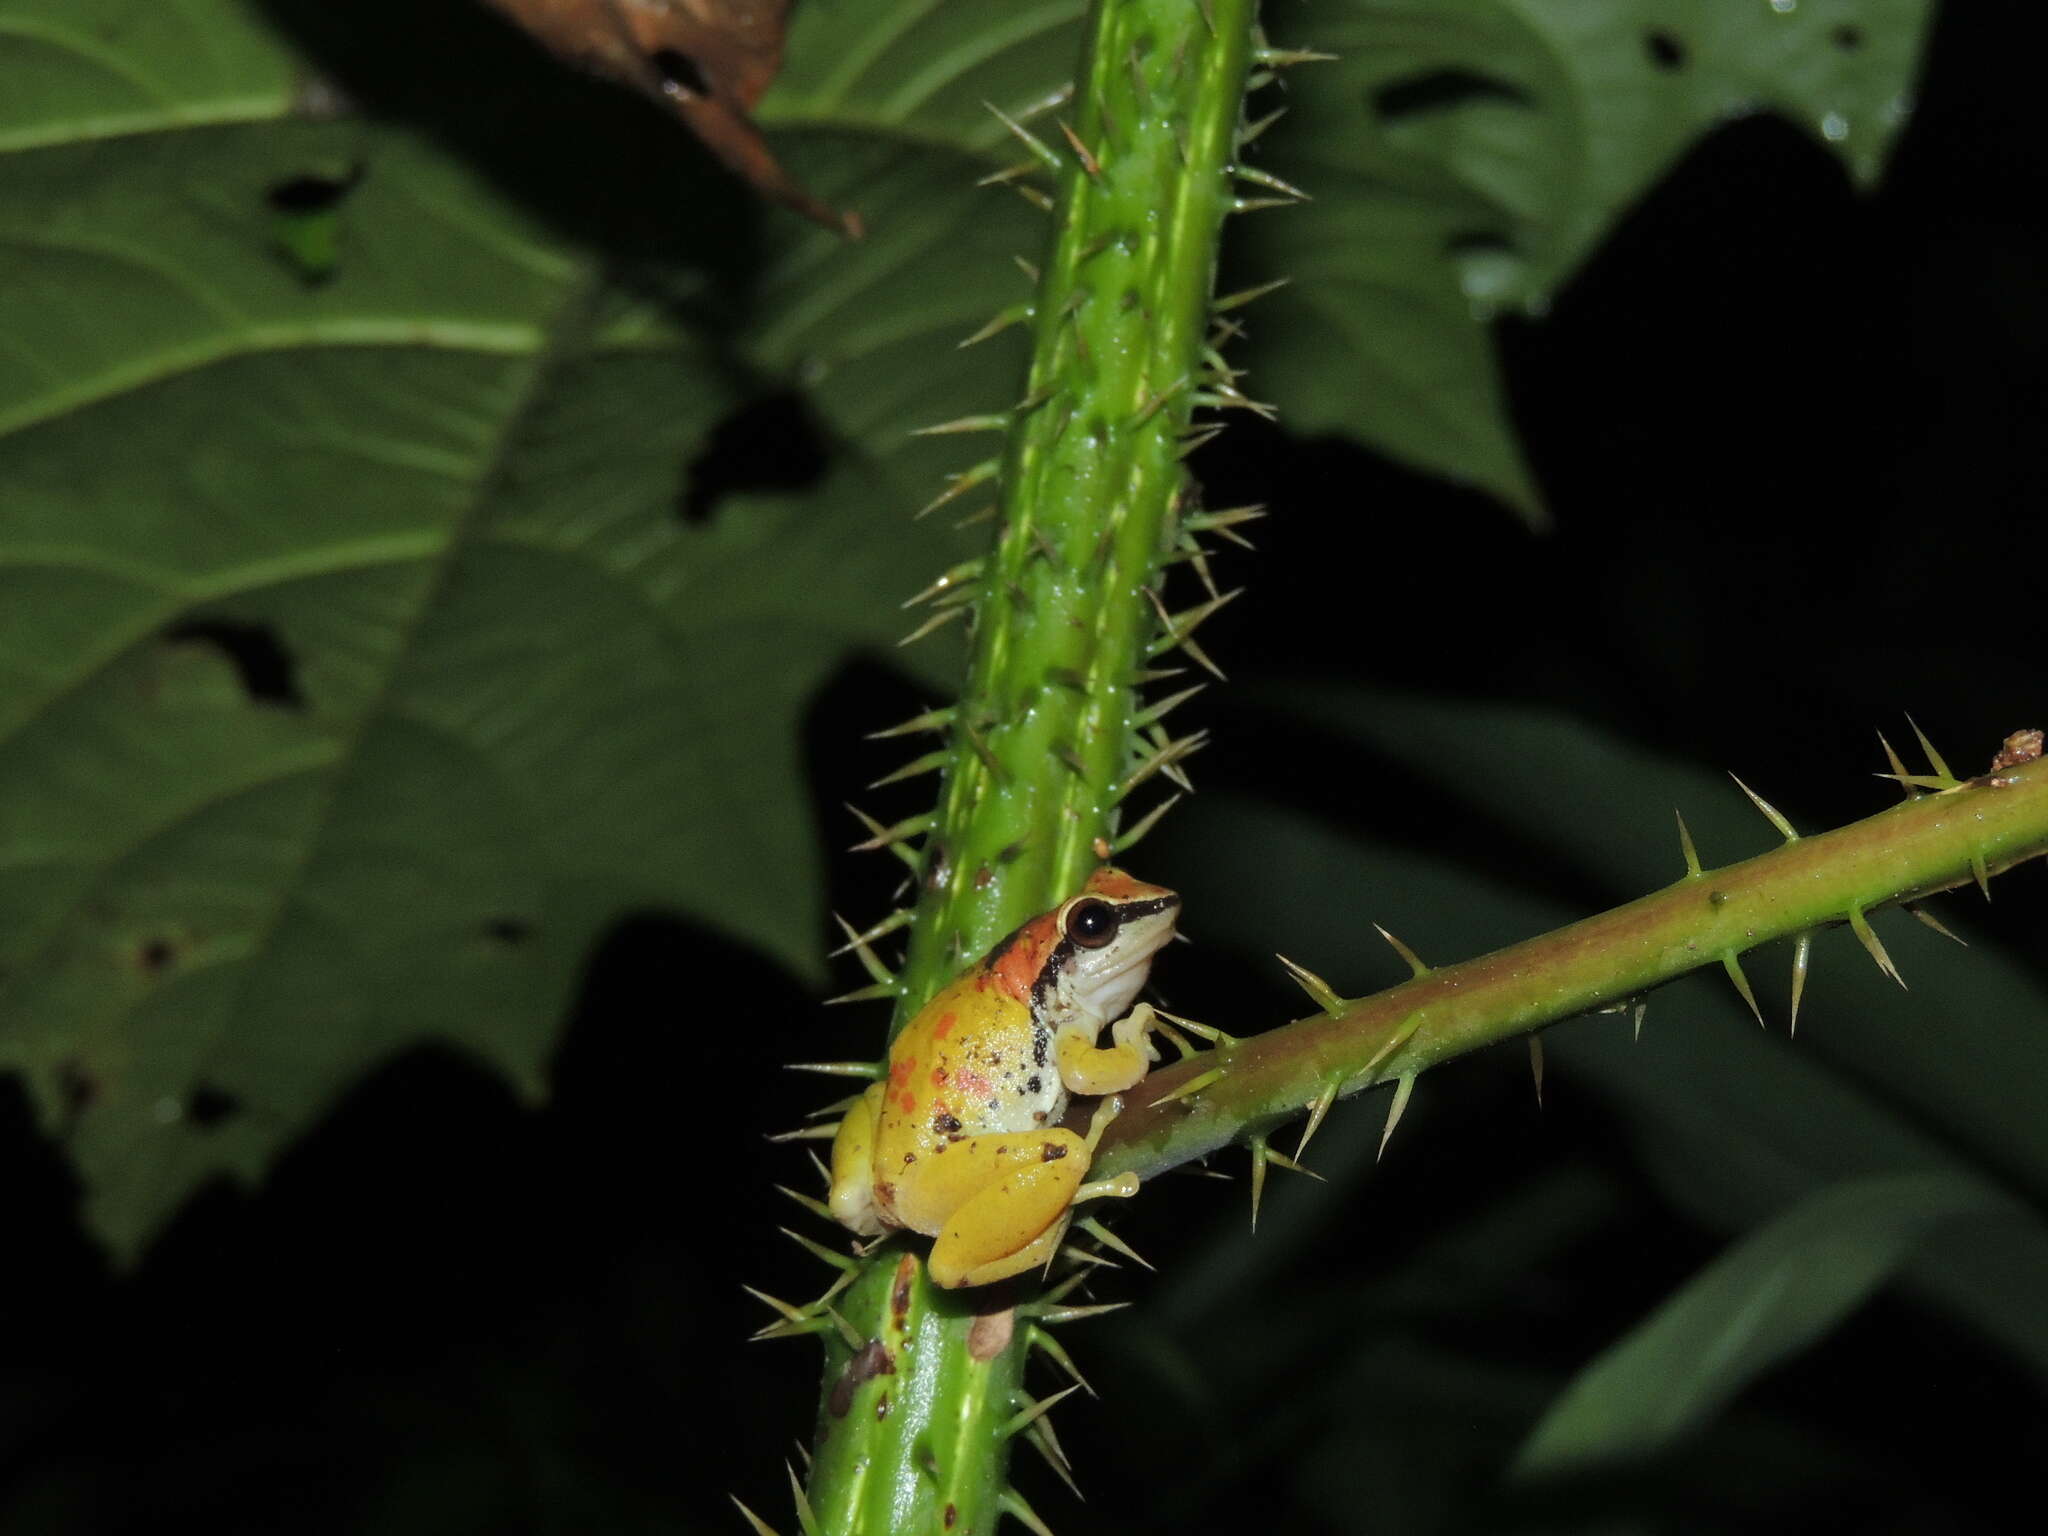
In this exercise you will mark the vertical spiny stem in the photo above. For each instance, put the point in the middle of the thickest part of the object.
(911, 1429)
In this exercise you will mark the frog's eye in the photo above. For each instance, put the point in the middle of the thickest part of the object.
(1091, 924)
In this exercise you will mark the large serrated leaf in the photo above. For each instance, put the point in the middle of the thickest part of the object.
(1465, 156)
(356, 667)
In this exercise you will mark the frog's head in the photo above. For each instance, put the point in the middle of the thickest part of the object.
(1108, 935)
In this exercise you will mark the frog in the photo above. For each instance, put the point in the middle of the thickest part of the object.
(960, 1138)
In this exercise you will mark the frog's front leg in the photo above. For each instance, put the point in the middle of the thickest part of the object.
(852, 1196)
(1087, 1068)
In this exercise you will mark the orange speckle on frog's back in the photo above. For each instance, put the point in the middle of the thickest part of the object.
(907, 1101)
(945, 1025)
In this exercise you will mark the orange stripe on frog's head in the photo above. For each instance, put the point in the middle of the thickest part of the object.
(1013, 965)
(1113, 883)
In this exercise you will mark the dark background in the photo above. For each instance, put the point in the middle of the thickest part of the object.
(1792, 440)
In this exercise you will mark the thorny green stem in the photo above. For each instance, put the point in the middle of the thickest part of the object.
(1925, 845)
(920, 1391)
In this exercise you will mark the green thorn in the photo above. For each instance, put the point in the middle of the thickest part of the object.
(1934, 922)
(1125, 841)
(1692, 856)
(1860, 926)
(939, 620)
(1037, 1338)
(836, 1107)
(761, 1527)
(1047, 1444)
(868, 994)
(838, 1261)
(1191, 1087)
(960, 484)
(790, 1313)
(1733, 967)
(989, 421)
(1983, 874)
(807, 1132)
(1898, 768)
(867, 1069)
(934, 720)
(1399, 1107)
(1110, 1240)
(1325, 995)
(1012, 1504)
(1040, 150)
(1401, 1034)
(1415, 965)
(870, 961)
(810, 1203)
(1015, 314)
(1259, 1156)
(1317, 1107)
(1933, 757)
(881, 837)
(1641, 1009)
(806, 1517)
(1052, 1317)
(966, 573)
(1162, 759)
(1271, 183)
(1771, 813)
(1208, 1032)
(1245, 296)
(1252, 131)
(1536, 1066)
(1802, 953)
(1285, 58)
(900, 918)
(1281, 1160)
(1034, 1411)
(1091, 164)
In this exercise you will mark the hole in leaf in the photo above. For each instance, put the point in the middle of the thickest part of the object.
(76, 1088)
(509, 931)
(207, 1106)
(770, 444)
(268, 673)
(312, 192)
(305, 220)
(1439, 90)
(679, 74)
(1847, 38)
(1665, 49)
(155, 956)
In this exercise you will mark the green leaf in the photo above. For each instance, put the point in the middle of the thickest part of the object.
(1465, 156)
(356, 667)
(1778, 1291)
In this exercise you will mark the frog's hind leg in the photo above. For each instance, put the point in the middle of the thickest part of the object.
(1014, 1219)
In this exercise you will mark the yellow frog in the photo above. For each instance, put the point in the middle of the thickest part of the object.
(961, 1140)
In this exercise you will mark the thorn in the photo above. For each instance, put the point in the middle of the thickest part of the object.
(1040, 150)
(1898, 768)
(1208, 1032)
(1031, 1414)
(1047, 1444)
(761, 1527)
(1089, 164)
(1317, 1107)
(1983, 875)
(824, 1173)
(1934, 922)
(790, 1314)
(1415, 965)
(1259, 1158)
(840, 1107)
(989, 421)
(1028, 268)
(1251, 132)
(805, 1452)
(1397, 1038)
(806, 1517)
(1162, 759)
(1692, 857)
(867, 1069)
(870, 961)
(1111, 1241)
(880, 838)
(939, 620)
(1037, 1338)
(815, 1206)
(838, 1261)
(1287, 58)
(1801, 957)
(1172, 751)
(1151, 407)
(1002, 322)
(1734, 969)
(1281, 1160)
(1038, 199)
(868, 994)
(1403, 1087)
(1126, 840)
(1198, 438)
(1860, 926)
(1011, 1502)
(1271, 183)
(1188, 1089)
(937, 721)
(900, 918)
(960, 485)
(1325, 995)
(1771, 813)
(1052, 1317)
(1536, 1066)
(1254, 204)
(883, 837)
(808, 1132)
(1933, 756)
(1224, 521)
(1641, 1009)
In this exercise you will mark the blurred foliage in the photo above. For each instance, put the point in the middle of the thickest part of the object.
(439, 515)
